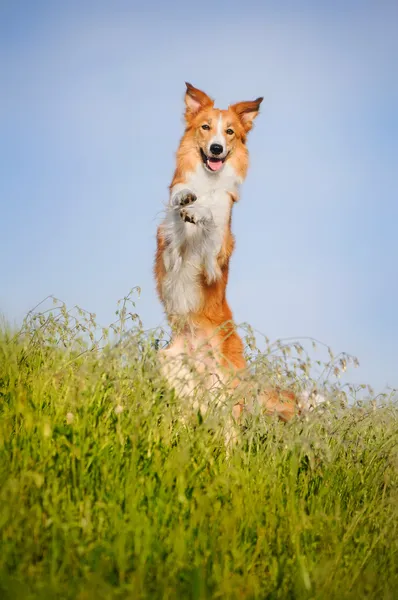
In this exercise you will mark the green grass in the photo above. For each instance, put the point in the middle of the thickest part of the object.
(105, 493)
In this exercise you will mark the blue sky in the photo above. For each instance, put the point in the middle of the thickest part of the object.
(90, 118)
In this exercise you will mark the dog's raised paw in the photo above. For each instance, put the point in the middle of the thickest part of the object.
(188, 199)
(196, 214)
(188, 218)
(183, 198)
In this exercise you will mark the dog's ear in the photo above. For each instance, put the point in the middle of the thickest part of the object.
(247, 112)
(195, 100)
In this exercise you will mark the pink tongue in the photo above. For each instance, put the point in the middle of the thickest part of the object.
(214, 165)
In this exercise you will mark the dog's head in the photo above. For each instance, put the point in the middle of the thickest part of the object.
(218, 135)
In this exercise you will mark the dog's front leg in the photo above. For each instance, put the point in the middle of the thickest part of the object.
(174, 229)
(191, 224)
(200, 227)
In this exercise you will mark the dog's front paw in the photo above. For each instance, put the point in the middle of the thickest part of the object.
(183, 198)
(195, 214)
(187, 216)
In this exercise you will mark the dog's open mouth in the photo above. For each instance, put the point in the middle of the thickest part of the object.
(212, 163)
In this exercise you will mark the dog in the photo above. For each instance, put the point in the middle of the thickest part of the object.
(194, 247)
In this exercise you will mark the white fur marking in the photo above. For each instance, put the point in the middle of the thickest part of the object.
(192, 248)
(219, 138)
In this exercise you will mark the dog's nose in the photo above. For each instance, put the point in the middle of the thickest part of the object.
(216, 149)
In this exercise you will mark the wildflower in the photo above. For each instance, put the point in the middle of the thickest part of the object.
(69, 418)
(118, 409)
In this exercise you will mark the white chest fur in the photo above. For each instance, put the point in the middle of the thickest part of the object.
(193, 247)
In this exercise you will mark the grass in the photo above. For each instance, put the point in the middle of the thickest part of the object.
(105, 493)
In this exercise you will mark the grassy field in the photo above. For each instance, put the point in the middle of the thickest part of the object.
(105, 493)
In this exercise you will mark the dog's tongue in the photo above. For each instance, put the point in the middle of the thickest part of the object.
(214, 164)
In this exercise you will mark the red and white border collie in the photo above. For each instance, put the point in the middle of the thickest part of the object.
(195, 244)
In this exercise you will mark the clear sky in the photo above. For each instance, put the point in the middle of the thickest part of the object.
(90, 117)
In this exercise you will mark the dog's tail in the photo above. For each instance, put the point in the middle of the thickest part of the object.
(283, 403)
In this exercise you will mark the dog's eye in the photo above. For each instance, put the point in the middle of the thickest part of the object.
(230, 131)
(205, 126)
